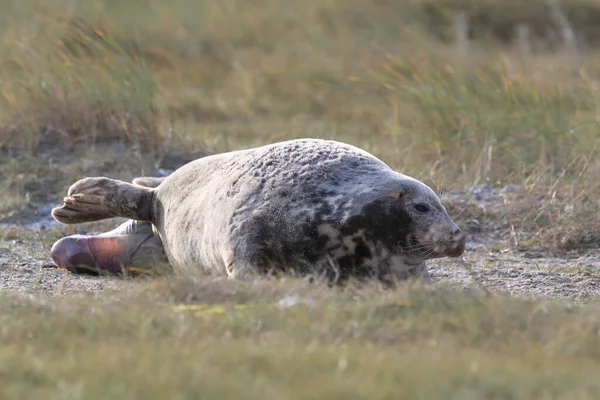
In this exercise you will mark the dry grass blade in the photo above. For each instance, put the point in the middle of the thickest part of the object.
(467, 95)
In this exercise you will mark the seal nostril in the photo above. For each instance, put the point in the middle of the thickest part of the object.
(456, 236)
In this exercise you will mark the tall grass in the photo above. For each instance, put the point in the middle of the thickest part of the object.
(225, 339)
(453, 92)
(499, 114)
(73, 78)
(137, 69)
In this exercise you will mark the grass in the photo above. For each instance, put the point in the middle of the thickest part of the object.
(218, 339)
(395, 79)
(455, 93)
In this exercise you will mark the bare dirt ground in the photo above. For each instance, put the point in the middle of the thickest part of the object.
(26, 267)
(27, 233)
(572, 277)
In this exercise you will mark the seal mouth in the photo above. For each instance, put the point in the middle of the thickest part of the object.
(449, 249)
(456, 249)
(412, 263)
(417, 252)
(412, 240)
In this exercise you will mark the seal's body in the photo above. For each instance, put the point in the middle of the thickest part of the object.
(309, 205)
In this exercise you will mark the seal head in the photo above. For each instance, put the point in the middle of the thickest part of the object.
(390, 235)
(432, 234)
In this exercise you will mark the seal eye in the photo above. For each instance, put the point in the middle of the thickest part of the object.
(422, 207)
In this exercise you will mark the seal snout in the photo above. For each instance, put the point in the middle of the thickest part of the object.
(447, 241)
(456, 244)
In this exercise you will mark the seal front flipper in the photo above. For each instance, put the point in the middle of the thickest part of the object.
(149, 181)
(93, 199)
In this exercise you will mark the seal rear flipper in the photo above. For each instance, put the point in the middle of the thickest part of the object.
(93, 199)
(116, 254)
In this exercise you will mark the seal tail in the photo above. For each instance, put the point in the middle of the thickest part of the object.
(94, 199)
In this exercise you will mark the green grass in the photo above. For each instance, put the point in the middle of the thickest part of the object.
(373, 73)
(385, 76)
(391, 77)
(223, 339)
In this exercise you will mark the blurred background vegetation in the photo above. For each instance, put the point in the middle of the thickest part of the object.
(453, 92)
(457, 93)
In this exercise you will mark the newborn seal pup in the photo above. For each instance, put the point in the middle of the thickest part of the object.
(309, 206)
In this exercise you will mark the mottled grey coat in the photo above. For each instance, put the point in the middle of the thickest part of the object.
(309, 205)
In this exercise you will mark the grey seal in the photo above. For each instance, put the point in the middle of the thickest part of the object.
(307, 206)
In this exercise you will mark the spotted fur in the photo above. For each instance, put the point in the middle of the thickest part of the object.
(308, 206)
